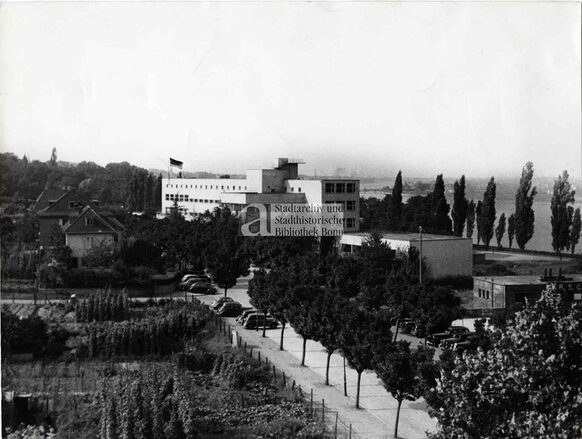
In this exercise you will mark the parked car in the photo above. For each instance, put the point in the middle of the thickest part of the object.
(191, 279)
(187, 276)
(230, 309)
(258, 320)
(220, 301)
(452, 331)
(460, 337)
(241, 318)
(202, 287)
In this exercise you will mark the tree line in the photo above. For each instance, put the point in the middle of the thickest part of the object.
(350, 303)
(466, 217)
(116, 185)
(523, 373)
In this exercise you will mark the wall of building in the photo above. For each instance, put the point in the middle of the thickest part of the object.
(445, 257)
(79, 244)
(448, 257)
(197, 195)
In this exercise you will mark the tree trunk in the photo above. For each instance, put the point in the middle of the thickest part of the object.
(329, 352)
(282, 335)
(397, 327)
(397, 418)
(303, 356)
(345, 379)
(225, 292)
(264, 324)
(358, 389)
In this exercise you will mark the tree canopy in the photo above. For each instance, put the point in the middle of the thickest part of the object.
(562, 213)
(528, 384)
(524, 214)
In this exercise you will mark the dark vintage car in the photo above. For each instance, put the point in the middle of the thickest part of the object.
(230, 309)
(190, 279)
(436, 339)
(259, 320)
(220, 301)
(458, 338)
(202, 287)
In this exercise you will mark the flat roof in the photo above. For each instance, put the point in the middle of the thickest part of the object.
(526, 279)
(409, 236)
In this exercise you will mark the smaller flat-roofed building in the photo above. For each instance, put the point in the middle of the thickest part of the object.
(443, 255)
(502, 292)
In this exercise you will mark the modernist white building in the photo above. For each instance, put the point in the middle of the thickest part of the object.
(282, 184)
(444, 255)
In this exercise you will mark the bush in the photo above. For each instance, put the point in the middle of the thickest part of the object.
(91, 278)
(52, 275)
(142, 275)
(196, 360)
(22, 335)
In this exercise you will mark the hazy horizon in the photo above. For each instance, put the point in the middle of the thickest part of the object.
(368, 88)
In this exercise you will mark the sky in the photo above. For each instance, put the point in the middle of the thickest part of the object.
(368, 87)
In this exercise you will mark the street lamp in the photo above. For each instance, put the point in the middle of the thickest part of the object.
(420, 258)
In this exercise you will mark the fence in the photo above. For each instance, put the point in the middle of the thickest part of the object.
(318, 411)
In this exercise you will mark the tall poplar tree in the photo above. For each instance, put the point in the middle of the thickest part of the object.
(500, 230)
(511, 229)
(524, 213)
(479, 220)
(561, 213)
(460, 207)
(575, 230)
(396, 203)
(488, 212)
(158, 194)
(441, 222)
(470, 218)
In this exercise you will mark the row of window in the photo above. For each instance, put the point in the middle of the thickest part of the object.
(212, 186)
(347, 205)
(484, 294)
(340, 188)
(181, 197)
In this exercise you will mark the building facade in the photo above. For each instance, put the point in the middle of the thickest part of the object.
(193, 196)
(443, 255)
(502, 292)
(90, 230)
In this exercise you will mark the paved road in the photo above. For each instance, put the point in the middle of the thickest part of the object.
(375, 420)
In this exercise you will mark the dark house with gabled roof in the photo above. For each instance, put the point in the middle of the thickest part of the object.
(89, 230)
(82, 221)
(56, 207)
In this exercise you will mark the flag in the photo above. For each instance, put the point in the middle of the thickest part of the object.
(176, 163)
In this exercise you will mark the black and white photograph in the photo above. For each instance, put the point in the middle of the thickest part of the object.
(291, 219)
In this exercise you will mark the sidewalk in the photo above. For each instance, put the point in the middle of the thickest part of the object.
(375, 420)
